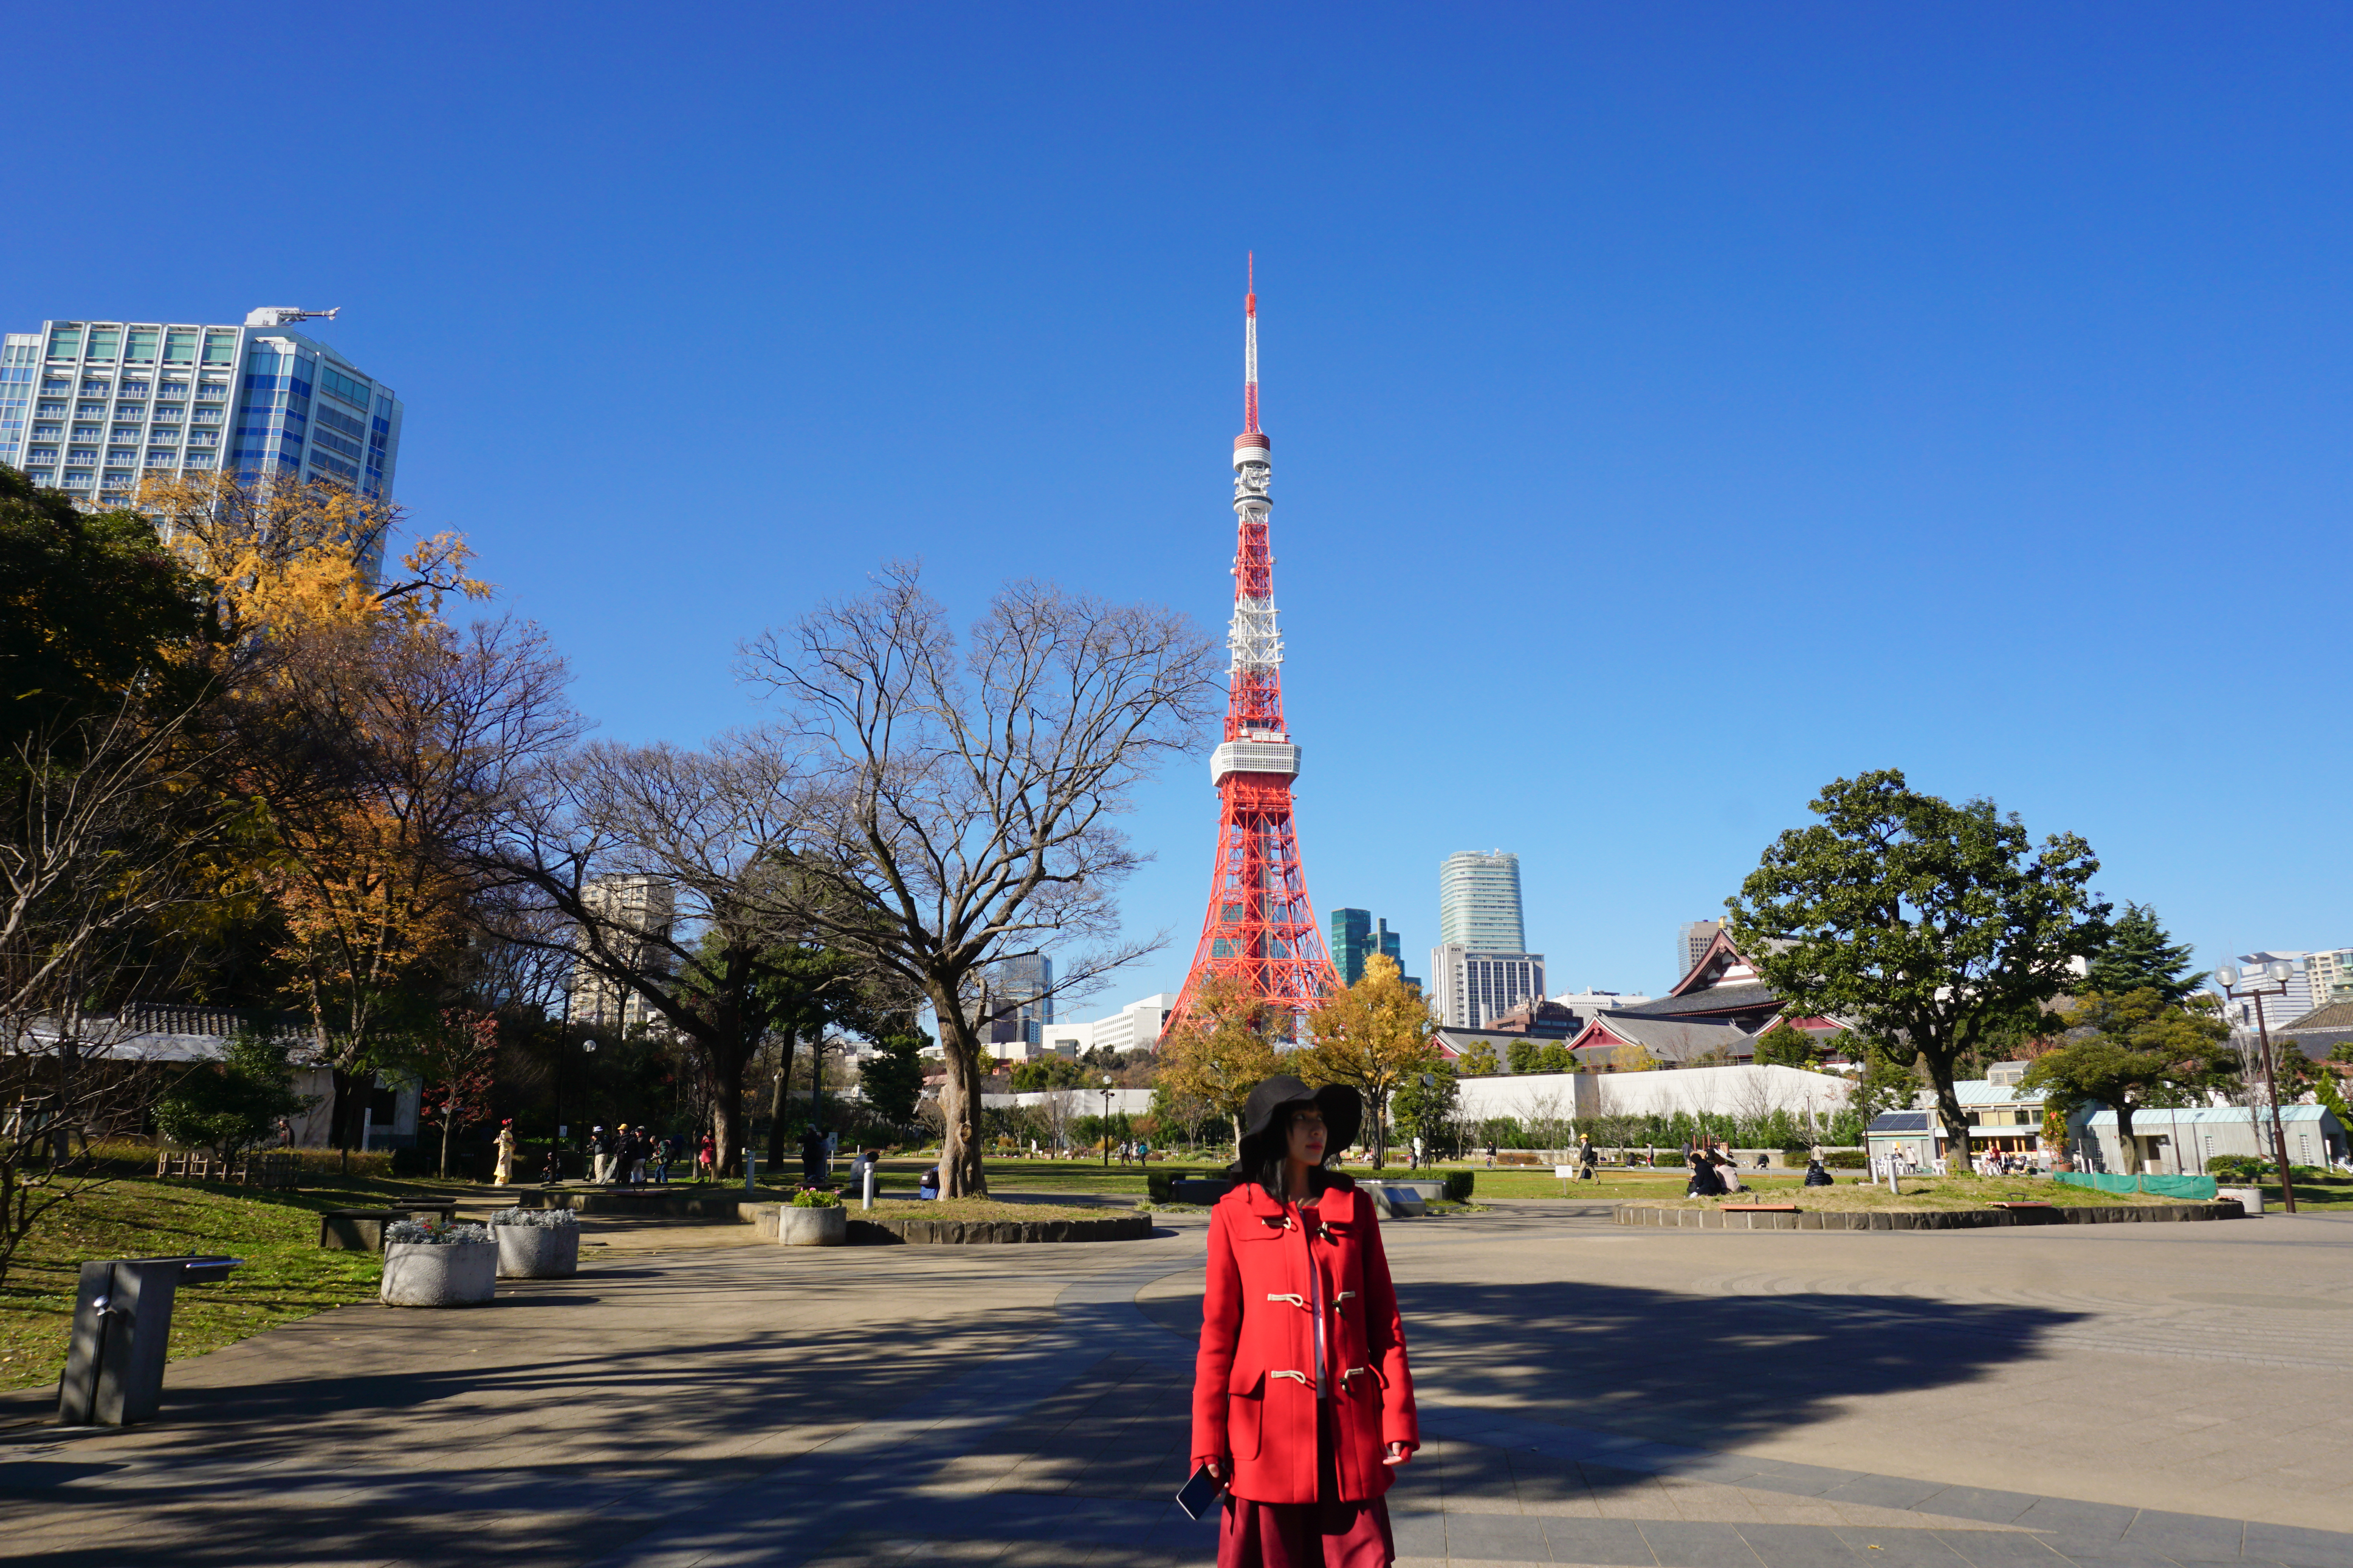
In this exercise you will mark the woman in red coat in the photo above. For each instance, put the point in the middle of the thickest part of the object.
(1302, 1402)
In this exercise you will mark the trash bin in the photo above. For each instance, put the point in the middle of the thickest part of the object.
(121, 1328)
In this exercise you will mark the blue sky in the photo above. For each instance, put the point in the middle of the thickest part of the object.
(1675, 407)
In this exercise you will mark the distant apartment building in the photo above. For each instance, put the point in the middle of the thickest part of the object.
(1479, 903)
(88, 407)
(636, 914)
(1355, 937)
(1472, 986)
(2328, 975)
(1136, 1024)
(2302, 995)
(1691, 942)
(1021, 999)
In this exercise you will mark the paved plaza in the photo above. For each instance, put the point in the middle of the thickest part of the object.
(1589, 1395)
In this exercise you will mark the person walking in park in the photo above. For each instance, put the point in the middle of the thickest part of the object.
(596, 1155)
(504, 1173)
(1302, 1403)
(1586, 1158)
(813, 1156)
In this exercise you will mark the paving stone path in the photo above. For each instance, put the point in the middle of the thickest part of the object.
(1589, 1396)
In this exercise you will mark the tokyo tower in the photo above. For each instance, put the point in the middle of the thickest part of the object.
(1261, 926)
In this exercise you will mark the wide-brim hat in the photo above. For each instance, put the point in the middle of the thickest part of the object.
(1343, 1114)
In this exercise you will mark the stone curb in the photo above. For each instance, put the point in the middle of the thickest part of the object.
(722, 1207)
(1923, 1219)
(972, 1232)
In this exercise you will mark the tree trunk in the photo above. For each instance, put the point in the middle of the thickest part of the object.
(781, 1098)
(449, 1124)
(344, 1121)
(960, 1175)
(1955, 1119)
(2125, 1141)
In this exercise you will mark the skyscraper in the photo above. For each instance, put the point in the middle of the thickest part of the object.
(1479, 903)
(643, 908)
(1355, 937)
(110, 401)
(1473, 986)
(1022, 999)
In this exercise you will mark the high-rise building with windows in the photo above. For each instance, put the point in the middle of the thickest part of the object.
(1355, 937)
(636, 914)
(1472, 986)
(87, 407)
(1479, 903)
(1021, 999)
(1692, 943)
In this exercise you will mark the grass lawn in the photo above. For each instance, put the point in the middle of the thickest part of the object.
(2322, 1193)
(286, 1275)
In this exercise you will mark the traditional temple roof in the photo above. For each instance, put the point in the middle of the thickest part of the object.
(1672, 1042)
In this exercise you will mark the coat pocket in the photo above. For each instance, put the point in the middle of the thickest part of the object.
(1246, 1418)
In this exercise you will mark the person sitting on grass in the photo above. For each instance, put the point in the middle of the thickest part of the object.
(1816, 1176)
(1704, 1183)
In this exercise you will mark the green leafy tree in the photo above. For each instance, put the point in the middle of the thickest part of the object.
(1478, 1060)
(231, 1105)
(2140, 954)
(1786, 1046)
(1049, 1072)
(1427, 1108)
(1934, 926)
(891, 1080)
(2131, 1051)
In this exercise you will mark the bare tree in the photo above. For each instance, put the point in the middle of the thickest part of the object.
(106, 816)
(966, 793)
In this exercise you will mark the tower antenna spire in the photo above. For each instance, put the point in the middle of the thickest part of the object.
(1249, 349)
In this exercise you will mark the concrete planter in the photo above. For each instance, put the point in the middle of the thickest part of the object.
(812, 1227)
(2250, 1198)
(465, 1274)
(538, 1252)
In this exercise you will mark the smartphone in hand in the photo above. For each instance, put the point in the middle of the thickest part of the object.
(1199, 1495)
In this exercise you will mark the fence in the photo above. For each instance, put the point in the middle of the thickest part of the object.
(280, 1170)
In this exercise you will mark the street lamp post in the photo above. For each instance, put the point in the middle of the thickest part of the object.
(2277, 973)
(1106, 1123)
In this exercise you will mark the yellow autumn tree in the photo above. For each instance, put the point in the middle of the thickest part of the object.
(1371, 1038)
(1225, 1048)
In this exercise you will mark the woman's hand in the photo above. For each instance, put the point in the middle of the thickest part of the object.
(1398, 1454)
(1217, 1468)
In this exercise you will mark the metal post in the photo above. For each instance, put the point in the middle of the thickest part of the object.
(869, 1184)
(2271, 1092)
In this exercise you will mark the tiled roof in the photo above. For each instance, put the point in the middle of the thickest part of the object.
(1722, 999)
(2327, 1016)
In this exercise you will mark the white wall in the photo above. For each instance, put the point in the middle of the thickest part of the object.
(1744, 1091)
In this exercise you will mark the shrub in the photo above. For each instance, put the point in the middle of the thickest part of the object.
(535, 1219)
(1459, 1185)
(424, 1233)
(2236, 1167)
(815, 1198)
(1844, 1159)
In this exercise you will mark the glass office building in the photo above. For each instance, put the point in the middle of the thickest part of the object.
(87, 407)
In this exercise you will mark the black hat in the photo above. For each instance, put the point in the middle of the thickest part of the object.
(1343, 1114)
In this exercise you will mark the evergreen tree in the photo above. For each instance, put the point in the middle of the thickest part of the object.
(2140, 955)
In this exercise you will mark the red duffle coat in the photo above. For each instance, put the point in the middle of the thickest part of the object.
(1254, 1380)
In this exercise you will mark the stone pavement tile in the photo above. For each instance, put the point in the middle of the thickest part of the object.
(1418, 1534)
(1979, 1503)
(1798, 1546)
(1613, 1541)
(1884, 1491)
(2078, 1521)
(2304, 1548)
(1697, 1501)
(1899, 1547)
(2000, 1547)
(1776, 1510)
(1689, 1543)
(1510, 1536)
(2185, 1535)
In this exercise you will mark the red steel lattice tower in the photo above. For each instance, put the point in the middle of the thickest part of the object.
(1261, 924)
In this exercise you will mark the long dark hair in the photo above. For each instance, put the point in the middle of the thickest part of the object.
(1273, 1146)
